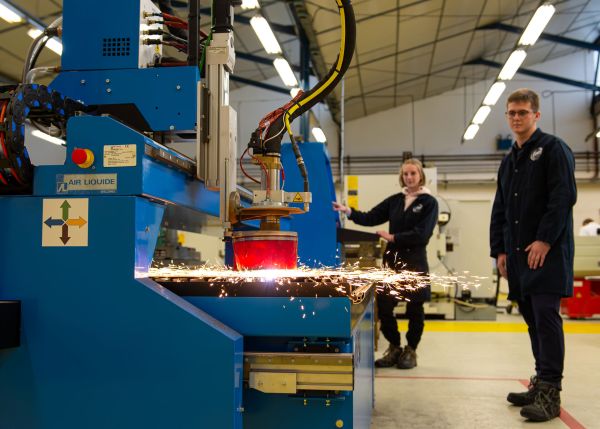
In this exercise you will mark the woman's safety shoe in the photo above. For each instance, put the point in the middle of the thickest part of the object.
(390, 357)
(408, 358)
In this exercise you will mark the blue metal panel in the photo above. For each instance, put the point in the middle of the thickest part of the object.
(317, 240)
(101, 348)
(148, 177)
(363, 396)
(166, 97)
(89, 26)
(281, 316)
(269, 411)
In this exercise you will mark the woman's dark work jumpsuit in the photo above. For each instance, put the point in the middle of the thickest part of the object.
(412, 229)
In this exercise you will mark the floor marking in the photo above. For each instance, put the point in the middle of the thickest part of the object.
(582, 327)
(566, 418)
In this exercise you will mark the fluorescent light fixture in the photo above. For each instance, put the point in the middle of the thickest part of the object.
(471, 131)
(538, 22)
(250, 4)
(319, 135)
(9, 14)
(494, 93)
(52, 44)
(481, 115)
(285, 72)
(512, 64)
(265, 35)
(294, 92)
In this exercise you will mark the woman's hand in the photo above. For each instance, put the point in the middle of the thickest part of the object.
(386, 236)
(341, 208)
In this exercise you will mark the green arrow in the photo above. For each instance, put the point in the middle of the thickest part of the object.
(65, 206)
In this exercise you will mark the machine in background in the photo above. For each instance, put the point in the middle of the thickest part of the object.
(585, 301)
(101, 344)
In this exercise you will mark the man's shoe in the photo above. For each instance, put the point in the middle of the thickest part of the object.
(390, 357)
(408, 358)
(524, 398)
(546, 405)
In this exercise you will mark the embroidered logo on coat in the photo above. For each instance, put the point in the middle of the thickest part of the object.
(417, 208)
(535, 155)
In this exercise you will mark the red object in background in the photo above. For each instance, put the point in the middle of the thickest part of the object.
(263, 250)
(585, 301)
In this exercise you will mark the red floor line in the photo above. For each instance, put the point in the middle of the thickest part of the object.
(448, 378)
(566, 418)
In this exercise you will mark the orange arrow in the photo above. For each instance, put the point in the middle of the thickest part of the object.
(76, 222)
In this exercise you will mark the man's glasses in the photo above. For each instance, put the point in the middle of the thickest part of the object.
(519, 113)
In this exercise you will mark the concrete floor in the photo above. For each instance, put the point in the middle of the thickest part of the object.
(462, 379)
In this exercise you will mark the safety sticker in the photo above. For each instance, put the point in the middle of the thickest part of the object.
(298, 198)
(123, 155)
(65, 222)
(80, 183)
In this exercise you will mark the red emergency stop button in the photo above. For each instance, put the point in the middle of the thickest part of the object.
(84, 158)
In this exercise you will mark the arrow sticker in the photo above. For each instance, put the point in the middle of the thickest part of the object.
(76, 222)
(53, 222)
(65, 234)
(65, 210)
(68, 230)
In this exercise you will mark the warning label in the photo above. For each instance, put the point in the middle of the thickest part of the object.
(123, 155)
(298, 198)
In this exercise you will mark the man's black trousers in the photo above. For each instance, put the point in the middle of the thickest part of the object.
(542, 315)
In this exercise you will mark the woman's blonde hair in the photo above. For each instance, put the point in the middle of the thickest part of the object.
(416, 163)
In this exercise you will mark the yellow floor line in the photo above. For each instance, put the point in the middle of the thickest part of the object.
(491, 326)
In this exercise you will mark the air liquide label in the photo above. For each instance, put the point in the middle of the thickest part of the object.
(80, 183)
(123, 155)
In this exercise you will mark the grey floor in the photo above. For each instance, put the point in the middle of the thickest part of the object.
(462, 379)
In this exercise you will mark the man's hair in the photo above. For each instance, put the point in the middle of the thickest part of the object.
(417, 163)
(524, 95)
(587, 221)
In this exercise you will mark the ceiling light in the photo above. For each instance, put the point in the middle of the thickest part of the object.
(294, 92)
(250, 4)
(538, 22)
(265, 35)
(494, 93)
(52, 44)
(512, 64)
(8, 14)
(471, 131)
(598, 134)
(285, 72)
(481, 115)
(319, 135)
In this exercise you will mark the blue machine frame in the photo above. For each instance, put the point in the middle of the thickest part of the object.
(102, 344)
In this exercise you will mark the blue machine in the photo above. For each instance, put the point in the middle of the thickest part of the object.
(317, 241)
(104, 345)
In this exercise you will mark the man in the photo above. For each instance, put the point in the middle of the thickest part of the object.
(531, 236)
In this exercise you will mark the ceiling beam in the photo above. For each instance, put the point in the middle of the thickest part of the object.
(540, 75)
(545, 36)
(280, 28)
(262, 85)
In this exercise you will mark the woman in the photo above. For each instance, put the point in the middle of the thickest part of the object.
(412, 215)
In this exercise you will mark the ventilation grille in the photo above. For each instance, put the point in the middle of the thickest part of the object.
(115, 47)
